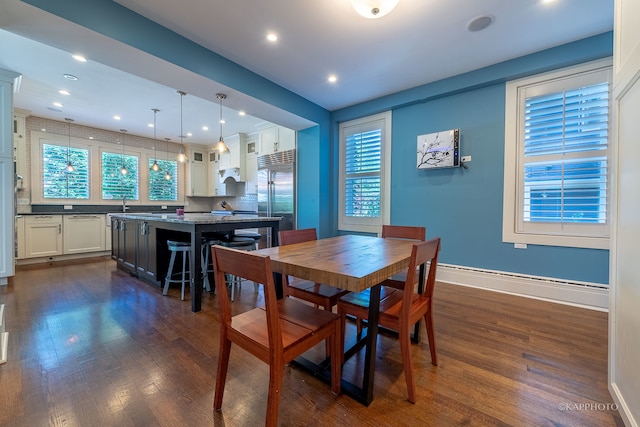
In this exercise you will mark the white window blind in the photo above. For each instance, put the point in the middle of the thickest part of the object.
(56, 181)
(556, 182)
(565, 156)
(116, 185)
(161, 188)
(364, 166)
(362, 173)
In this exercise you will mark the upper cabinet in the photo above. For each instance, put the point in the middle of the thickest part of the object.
(276, 138)
(20, 146)
(251, 165)
(196, 183)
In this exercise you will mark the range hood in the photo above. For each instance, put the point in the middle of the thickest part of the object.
(231, 173)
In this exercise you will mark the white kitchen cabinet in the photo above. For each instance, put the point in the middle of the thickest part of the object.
(251, 167)
(42, 235)
(212, 173)
(276, 138)
(196, 182)
(83, 233)
(20, 146)
(20, 244)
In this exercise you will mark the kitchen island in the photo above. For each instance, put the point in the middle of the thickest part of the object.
(139, 242)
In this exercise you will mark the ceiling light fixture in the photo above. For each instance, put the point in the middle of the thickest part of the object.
(181, 156)
(374, 9)
(155, 166)
(272, 37)
(79, 58)
(123, 169)
(167, 175)
(70, 77)
(69, 167)
(221, 147)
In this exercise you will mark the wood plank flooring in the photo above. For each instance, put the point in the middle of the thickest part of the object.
(91, 346)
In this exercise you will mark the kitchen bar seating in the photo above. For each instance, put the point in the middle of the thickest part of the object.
(276, 333)
(401, 309)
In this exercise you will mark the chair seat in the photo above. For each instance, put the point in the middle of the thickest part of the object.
(298, 322)
(321, 290)
(390, 304)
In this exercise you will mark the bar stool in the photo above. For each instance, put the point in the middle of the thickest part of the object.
(250, 234)
(174, 247)
(243, 244)
(205, 251)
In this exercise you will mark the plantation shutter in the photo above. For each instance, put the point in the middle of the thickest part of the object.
(57, 182)
(565, 156)
(363, 173)
(161, 188)
(115, 185)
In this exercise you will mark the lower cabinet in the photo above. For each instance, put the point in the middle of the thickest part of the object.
(146, 250)
(83, 233)
(42, 236)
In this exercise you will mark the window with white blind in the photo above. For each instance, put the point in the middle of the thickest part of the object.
(364, 173)
(57, 182)
(556, 158)
(115, 184)
(161, 185)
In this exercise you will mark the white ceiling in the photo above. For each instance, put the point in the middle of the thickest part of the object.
(419, 42)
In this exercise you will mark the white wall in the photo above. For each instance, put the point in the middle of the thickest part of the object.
(624, 319)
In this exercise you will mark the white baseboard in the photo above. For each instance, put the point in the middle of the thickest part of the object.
(4, 337)
(594, 296)
(623, 407)
(41, 260)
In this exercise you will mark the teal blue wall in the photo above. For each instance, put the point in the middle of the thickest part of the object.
(464, 207)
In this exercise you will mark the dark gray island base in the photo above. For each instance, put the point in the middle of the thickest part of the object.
(139, 242)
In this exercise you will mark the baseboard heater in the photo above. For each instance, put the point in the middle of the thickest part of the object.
(582, 294)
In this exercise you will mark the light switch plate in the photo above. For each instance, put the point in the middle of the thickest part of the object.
(520, 245)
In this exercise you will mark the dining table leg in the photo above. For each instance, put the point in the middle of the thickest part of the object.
(371, 345)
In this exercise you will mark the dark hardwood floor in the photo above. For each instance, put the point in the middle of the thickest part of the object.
(91, 346)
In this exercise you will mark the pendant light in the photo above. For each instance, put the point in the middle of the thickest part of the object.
(69, 167)
(167, 175)
(221, 147)
(155, 166)
(181, 156)
(123, 169)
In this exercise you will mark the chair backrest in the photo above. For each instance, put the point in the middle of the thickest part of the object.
(289, 237)
(404, 232)
(422, 253)
(250, 266)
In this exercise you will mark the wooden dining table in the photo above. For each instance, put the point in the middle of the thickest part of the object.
(350, 262)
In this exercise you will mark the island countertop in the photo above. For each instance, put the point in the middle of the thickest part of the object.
(195, 218)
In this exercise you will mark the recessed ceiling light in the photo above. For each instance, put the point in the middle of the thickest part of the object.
(222, 121)
(79, 58)
(479, 23)
(43, 130)
(332, 78)
(70, 77)
(189, 134)
(90, 137)
(57, 104)
(64, 92)
(116, 117)
(241, 113)
(205, 128)
(272, 37)
(150, 125)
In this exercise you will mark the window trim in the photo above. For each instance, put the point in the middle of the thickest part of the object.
(513, 163)
(367, 225)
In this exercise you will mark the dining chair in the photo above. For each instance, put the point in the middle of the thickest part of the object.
(276, 333)
(407, 232)
(401, 308)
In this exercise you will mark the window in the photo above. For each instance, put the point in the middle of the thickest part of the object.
(115, 184)
(161, 188)
(556, 158)
(364, 170)
(57, 183)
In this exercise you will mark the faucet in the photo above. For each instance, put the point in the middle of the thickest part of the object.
(124, 204)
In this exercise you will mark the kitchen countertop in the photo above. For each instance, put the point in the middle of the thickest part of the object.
(194, 218)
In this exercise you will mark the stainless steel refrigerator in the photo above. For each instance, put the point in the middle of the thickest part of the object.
(277, 189)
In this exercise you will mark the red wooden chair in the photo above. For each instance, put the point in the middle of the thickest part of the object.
(401, 306)
(276, 333)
